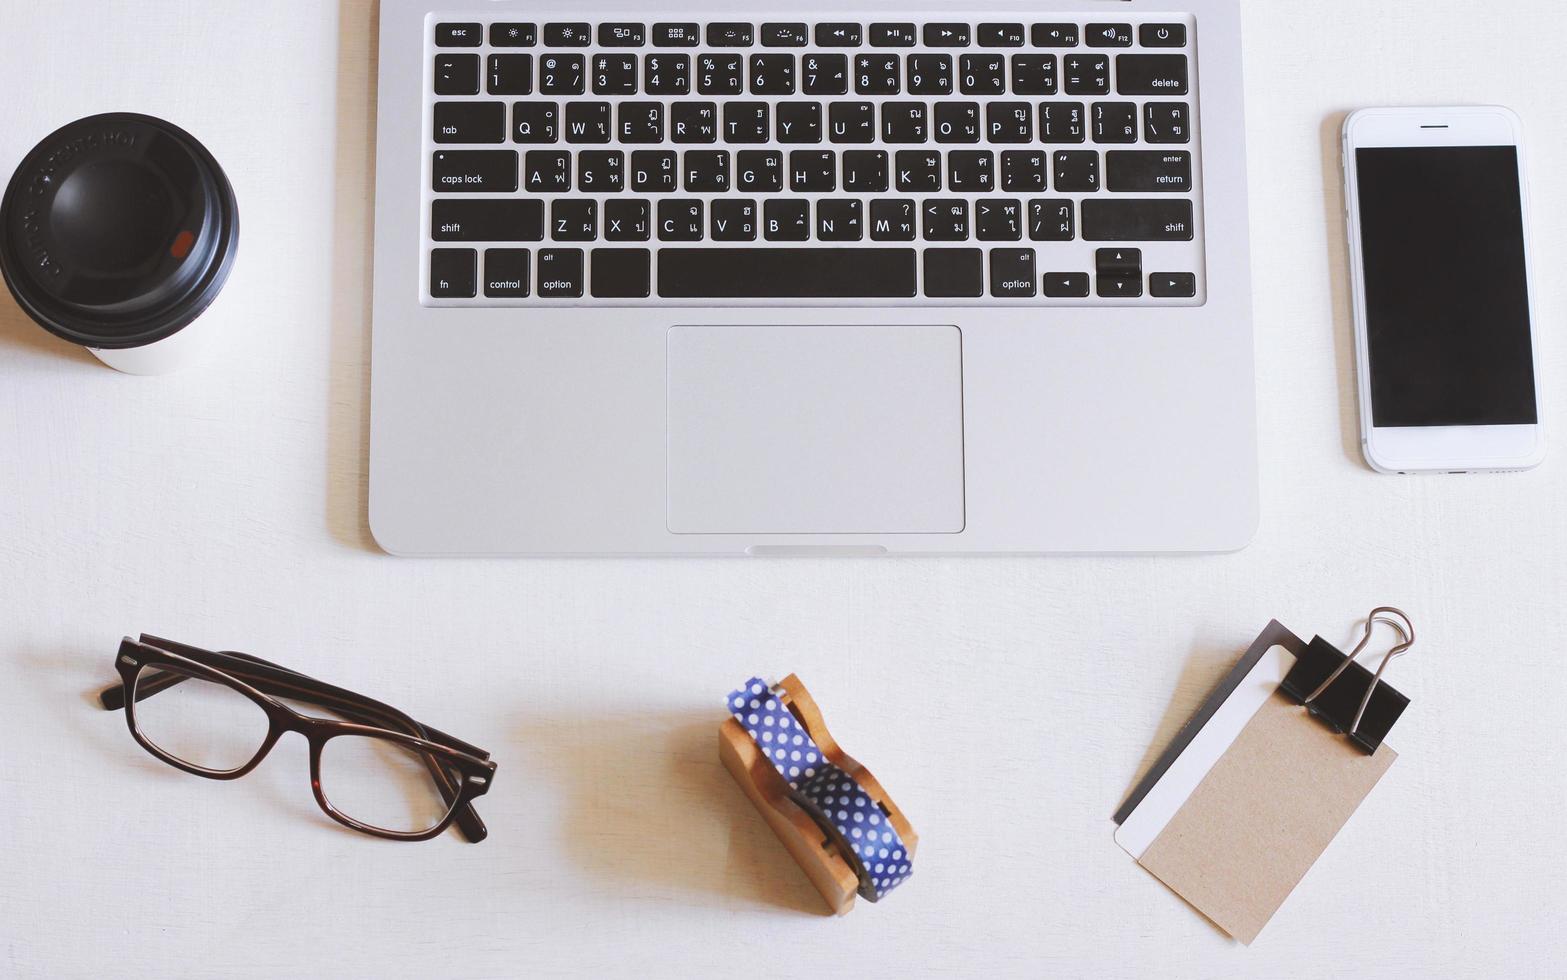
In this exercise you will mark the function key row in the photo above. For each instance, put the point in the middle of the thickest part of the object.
(627, 273)
(798, 34)
(721, 73)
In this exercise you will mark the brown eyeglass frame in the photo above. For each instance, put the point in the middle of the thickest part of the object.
(461, 772)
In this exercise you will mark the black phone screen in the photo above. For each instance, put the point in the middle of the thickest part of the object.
(1447, 299)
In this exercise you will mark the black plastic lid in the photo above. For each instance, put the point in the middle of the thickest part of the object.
(117, 230)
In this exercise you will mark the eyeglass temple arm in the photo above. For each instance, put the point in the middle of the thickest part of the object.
(293, 684)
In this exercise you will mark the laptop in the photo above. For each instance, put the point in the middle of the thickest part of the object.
(719, 279)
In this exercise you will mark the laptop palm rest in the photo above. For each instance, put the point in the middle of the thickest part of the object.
(815, 430)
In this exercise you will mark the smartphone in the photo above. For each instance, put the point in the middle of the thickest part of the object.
(1437, 208)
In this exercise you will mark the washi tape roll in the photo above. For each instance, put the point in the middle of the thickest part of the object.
(854, 815)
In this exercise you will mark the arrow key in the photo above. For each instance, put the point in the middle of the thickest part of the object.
(1172, 285)
(1119, 263)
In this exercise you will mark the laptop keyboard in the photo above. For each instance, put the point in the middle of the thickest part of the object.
(856, 162)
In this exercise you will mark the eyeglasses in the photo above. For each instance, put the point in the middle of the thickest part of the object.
(218, 715)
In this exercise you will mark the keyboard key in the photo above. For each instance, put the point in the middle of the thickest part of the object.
(1115, 122)
(837, 35)
(930, 74)
(627, 220)
(1148, 170)
(622, 273)
(954, 272)
(982, 74)
(918, 171)
(693, 122)
(839, 221)
(601, 171)
(676, 35)
(507, 219)
(654, 171)
(1111, 263)
(824, 74)
(784, 36)
(615, 74)
(506, 273)
(998, 220)
(1166, 122)
(957, 122)
(547, 171)
(1108, 35)
(1051, 221)
(759, 171)
(1077, 170)
(509, 74)
(562, 74)
(892, 220)
(945, 220)
(813, 171)
(505, 34)
(1012, 273)
(1024, 170)
(772, 74)
(640, 122)
(679, 221)
(799, 122)
(903, 122)
(587, 122)
(1010, 122)
(454, 273)
(865, 171)
(877, 74)
(574, 219)
(730, 35)
(560, 273)
(470, 122)
(1118, 287)
(622, 35)
(946, 35)
(706, 171)
(1162, 35)
(746, 122)
(786, 220)
(567, 35)
(786, 273)
(1137, 219)
(1066, 285)
(893, 35)
(851, 122)
(474, 171)
(1033, 74)
(720, 74)
(734, 220)
(667, 74)
(1062, 122)
(456, 74)
(1086, 74)
(535, 122)
(1001, 35)
(1150, 74)
(1055, 36)
(459, 35)
(971, 171)
(1172, 285)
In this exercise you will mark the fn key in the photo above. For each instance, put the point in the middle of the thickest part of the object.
(453, 273)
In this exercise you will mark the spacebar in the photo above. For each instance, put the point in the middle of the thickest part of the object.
(785, 273)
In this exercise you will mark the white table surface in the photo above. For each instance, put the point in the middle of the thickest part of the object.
(1007, 704)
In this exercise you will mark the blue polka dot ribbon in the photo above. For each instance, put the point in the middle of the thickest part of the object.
(831, 796)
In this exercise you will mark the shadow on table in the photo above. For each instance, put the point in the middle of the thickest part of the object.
(650, 807)
(353, 222)
(1338, 277)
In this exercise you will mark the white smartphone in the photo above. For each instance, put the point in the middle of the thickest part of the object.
(1437, 207)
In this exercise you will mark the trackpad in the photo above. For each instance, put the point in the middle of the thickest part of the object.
(815, 430)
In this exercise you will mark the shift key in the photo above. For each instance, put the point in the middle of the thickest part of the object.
(471, 171)
(1137, 220)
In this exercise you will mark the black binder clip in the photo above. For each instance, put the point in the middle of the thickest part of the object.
(1346, 695)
